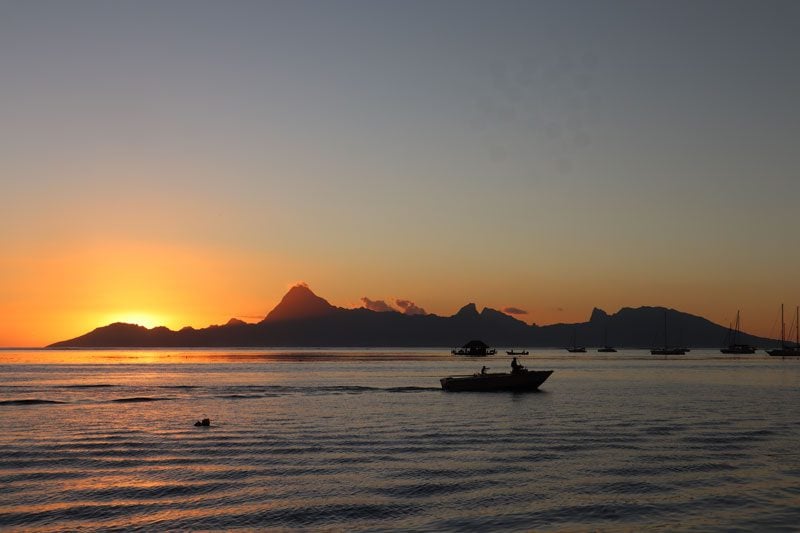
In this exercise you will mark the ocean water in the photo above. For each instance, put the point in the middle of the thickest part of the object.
(367, 440)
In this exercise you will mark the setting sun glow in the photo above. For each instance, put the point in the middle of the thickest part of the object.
(148, 320)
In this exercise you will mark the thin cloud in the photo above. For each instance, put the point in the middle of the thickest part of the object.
(377, 305)
(410, 308)
(514, 311)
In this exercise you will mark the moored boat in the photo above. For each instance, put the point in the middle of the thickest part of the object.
(575, 348)
(607, 348)
(522, 380)
(512, 352)
(735, 347)
(474, 348)
(786, 350)
(666, 350)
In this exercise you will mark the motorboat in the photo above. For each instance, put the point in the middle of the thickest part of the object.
(520, 380)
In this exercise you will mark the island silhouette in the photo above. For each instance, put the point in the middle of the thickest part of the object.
(303, 319)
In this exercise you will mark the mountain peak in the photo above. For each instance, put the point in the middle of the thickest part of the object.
(299, 302)
(468, 311)
(598, 315)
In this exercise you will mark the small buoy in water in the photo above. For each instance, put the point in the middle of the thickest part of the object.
(205, 422)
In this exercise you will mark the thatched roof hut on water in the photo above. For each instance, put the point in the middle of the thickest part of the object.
(475, 348)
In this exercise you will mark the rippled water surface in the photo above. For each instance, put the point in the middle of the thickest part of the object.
(348, 440)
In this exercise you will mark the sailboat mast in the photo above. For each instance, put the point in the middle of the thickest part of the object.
(736, 331)
(783, 329)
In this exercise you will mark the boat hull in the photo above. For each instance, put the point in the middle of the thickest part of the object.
(785, 352)
(740, 349)
(668, 351)
(522, 381)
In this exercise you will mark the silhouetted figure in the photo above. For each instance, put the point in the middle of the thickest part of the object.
(516, 368)
(206, 422)
(484, 369)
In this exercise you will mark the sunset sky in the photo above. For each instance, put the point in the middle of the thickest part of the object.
(182, 163)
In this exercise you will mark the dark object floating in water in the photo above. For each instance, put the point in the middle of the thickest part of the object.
(735, 347)
(512, 352)
(787, 350)
(666, 350)
(607, 348)
(575, 348)
(206, 422)
(474, 349)
(520, 379)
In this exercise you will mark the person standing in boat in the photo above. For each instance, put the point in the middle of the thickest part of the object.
(515, 366)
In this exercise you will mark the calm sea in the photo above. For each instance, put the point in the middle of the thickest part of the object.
(366, 440)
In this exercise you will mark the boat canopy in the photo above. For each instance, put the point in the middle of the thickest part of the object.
(475, 345)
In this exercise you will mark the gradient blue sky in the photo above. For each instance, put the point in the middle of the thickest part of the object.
(191, 160)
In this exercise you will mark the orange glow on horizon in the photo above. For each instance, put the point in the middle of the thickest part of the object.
(148, 320)
(67, 290)
(64, 291)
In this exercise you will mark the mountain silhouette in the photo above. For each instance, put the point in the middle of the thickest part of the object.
(300, 302)
(304, 319)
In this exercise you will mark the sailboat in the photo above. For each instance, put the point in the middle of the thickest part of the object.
(666, 350)
(606, 348)
(575, 348)
(785, 350)
(734, 347)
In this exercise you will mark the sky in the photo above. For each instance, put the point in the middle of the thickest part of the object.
(185, 162)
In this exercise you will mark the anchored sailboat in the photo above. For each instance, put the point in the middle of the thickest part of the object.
(785, 350)
(666, 350)
(735, 347)
(606, 347)
(575, 348)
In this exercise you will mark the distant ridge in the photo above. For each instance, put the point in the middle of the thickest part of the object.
(304, 319)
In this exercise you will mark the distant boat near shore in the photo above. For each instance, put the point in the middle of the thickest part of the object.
(474, 348)
(786, 350)
(521, 352)
(575, 348)
(606, 347)
(734, 347)
(667, 350)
